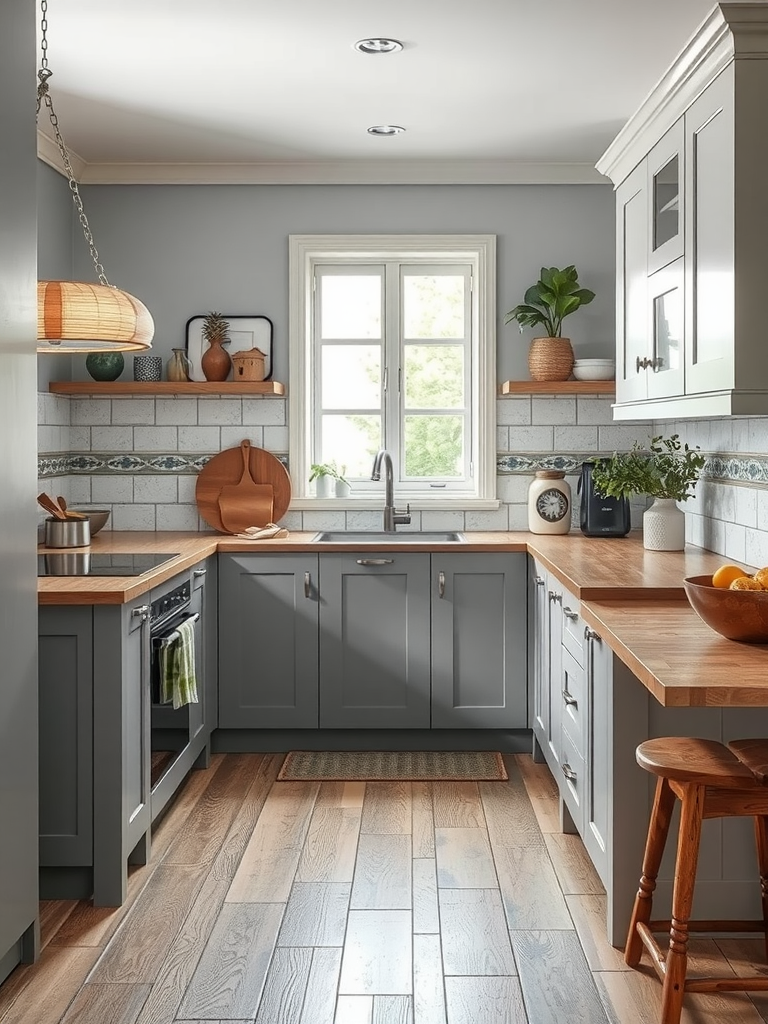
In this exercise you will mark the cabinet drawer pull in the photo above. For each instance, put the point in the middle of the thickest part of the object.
(375, 561)
(569, 614)
(539, 581)
(569, 699)
(568, 772)
(142, 612)
(307, 584)
(555, 597)
(197, 573)
(441, 584)
(590, 634)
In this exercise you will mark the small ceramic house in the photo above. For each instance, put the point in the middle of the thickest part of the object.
(248, 365)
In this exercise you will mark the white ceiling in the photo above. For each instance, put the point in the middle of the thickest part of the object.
(488, 90)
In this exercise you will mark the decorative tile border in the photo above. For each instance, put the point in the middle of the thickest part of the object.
(723, 468)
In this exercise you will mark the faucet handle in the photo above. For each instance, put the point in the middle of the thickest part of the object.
(403, 518)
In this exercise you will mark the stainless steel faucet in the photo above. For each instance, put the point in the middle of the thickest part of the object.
(391, 516)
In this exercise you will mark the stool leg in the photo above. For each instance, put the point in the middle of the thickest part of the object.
(761, 842)
(658, 827)
(682, 902)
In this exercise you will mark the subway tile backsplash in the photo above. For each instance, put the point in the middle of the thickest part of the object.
(140, 457)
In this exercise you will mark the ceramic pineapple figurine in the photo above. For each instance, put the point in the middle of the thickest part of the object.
(215, 361)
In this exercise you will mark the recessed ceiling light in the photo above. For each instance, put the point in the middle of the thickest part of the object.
(378, 44)
(385, 129)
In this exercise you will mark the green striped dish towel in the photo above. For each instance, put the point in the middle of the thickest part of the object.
(177, 668)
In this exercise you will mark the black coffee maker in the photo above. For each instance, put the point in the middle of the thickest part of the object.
(601, 517)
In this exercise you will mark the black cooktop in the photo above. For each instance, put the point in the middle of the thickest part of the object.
(83, 563)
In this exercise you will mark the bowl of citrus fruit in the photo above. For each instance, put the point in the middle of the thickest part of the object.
(733, 602)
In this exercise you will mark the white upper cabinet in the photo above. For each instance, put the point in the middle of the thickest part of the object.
(691, 216)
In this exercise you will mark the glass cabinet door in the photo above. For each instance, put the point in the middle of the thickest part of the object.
(665, 184)
(667, 312)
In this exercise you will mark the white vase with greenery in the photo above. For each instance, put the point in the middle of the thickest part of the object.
(666, 470)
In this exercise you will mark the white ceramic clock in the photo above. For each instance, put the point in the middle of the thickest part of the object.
(549, 503)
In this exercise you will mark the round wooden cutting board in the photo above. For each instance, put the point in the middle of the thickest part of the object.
(227, 468)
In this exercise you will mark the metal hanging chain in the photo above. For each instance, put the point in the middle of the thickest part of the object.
(43, 96)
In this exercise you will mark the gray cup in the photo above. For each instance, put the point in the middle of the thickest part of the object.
(67, 533)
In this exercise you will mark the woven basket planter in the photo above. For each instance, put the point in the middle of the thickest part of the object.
(550, 359)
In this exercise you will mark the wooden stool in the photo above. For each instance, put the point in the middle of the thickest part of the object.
(711, 781)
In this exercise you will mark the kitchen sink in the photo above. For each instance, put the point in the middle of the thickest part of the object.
(379, 537)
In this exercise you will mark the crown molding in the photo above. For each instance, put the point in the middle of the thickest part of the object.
(332, 173)
(731, 31)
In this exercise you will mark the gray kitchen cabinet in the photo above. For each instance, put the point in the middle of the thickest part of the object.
(691, 206)
(268, 641)
(478, 636)
(374, 640)
(96, 740)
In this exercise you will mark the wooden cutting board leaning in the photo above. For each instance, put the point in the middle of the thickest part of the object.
(242, 487)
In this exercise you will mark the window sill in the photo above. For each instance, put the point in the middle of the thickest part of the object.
(417, 504)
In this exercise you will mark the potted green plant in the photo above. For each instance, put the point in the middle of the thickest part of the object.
(666, 471)
(554, 296)
(328, 479)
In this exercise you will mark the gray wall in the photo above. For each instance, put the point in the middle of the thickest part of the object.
(56, 223)
(18, 580)
(186, 249)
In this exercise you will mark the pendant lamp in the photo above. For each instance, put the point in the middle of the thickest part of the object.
(77, 316)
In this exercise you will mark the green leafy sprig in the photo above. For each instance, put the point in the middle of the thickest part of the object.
(555, 296)
(665, 469)
(327, 469)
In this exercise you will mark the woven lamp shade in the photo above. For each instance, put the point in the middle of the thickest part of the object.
(76, 316)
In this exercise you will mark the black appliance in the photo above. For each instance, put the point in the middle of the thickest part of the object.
(599, 516)
(83, 563)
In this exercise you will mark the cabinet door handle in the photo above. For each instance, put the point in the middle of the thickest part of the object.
(307, 584)
(441, 584)
(642, 364)
(569, 699)
(569, 614)
(539, 581)
(555, 597)
(590, 634)
(197, 573)
(568, 772)
(142, 612)
(375, 561)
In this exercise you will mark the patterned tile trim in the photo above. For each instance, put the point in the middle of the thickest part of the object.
(725, 468)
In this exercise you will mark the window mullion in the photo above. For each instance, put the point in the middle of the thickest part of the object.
(393, 356)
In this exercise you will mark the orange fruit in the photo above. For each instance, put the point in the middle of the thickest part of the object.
(762, 577)
(745, 583)
(726, 574)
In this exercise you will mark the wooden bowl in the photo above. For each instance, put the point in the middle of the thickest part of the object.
(734, 614)
(97, 517)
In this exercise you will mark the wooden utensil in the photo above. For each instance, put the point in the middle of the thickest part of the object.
(69, 513)
(227, 468)
(50, 506)
(245, 503)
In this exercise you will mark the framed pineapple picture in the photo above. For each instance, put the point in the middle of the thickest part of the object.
(244, 333)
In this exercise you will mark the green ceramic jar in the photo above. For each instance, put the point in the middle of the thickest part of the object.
(105, 365)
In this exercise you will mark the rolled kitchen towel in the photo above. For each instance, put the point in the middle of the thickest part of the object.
(263, 532)
(177, 668)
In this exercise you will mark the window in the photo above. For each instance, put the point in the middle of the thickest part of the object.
(393, 346)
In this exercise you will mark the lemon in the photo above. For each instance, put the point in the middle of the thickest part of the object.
(726, 574)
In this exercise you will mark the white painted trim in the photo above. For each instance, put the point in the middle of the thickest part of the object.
(371, 172)
(730, 31)
(418, 504)
(700, 407)
(477, 249)
(48, 152)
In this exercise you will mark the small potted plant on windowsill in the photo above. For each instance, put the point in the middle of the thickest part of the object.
(666, 471)
(329, 480)
(555, 296)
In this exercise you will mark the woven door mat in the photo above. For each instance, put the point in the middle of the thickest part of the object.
(393, 765)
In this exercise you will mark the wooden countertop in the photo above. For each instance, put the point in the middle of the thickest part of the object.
(678, 657)
(634, 598)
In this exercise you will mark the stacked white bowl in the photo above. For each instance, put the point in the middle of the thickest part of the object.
(594, 369)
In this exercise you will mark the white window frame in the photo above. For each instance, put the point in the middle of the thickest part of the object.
(305, 251)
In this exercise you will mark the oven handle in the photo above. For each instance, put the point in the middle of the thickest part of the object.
(168, 638)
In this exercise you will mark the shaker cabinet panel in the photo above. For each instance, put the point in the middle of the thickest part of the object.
(268, 642)
(374, 641)
(478, 634)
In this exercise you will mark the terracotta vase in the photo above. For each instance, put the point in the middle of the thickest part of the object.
(550, 359)
(216, 362)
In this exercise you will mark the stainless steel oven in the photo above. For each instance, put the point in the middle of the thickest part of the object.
(173, 731)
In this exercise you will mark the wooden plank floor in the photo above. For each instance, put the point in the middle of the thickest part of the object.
(346, 903)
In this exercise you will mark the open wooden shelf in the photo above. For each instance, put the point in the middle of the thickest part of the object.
(166, 387)
(558, 387)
